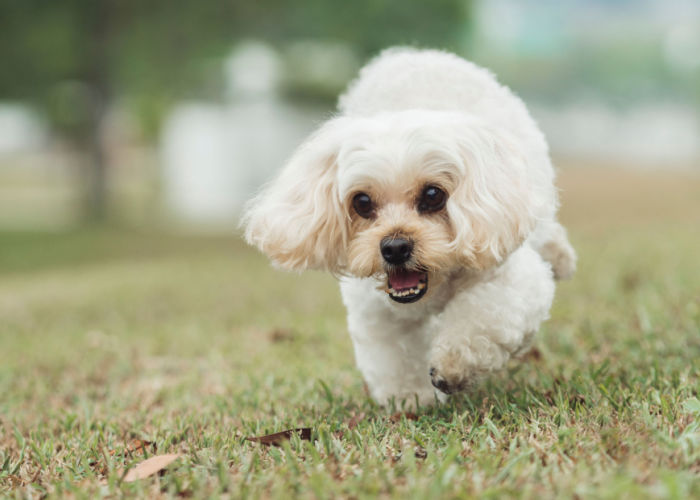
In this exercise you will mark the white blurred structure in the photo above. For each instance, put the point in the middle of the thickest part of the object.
(649, 135)
(21, 130)
(215, 156)
(654, 130)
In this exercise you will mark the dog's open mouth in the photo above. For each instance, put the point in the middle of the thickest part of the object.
(407, 286)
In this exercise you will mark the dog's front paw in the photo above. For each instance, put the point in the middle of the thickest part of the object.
(449, 374)
(440, 383)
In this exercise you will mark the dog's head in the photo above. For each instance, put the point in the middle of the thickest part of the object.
(404, 196)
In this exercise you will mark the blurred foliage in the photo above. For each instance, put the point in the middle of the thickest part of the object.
(64, 56)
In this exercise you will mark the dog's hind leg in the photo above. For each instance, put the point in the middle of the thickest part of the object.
(551, 242)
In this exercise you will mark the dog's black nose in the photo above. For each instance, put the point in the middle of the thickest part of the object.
(396, 250)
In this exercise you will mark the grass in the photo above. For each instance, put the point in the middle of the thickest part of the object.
(194, 344)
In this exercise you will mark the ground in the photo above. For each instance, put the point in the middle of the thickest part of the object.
(193, 344)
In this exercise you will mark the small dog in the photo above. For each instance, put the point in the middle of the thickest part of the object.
(431, 197)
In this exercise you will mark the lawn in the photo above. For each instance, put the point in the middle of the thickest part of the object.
(191, 345)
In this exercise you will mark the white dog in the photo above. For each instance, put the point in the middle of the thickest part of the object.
(431, 196)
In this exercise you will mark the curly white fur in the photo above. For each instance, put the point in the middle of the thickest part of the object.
(417, 118)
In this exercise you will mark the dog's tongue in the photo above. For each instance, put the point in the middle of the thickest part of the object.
(401, 280)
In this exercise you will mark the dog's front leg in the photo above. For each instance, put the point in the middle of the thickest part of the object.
(391, 348)
(394, 367)
(489, 321)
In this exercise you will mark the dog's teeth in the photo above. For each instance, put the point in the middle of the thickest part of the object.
(406, 292)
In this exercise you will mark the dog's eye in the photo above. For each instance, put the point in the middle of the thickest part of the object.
(431, 199)
(363, 205)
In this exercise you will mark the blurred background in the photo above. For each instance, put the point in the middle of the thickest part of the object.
(171, 114)
(133, 131)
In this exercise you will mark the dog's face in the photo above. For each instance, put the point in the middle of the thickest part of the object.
(402, 233)
(405, 197)
(399, 227)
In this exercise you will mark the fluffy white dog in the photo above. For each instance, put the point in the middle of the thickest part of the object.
(431, 197)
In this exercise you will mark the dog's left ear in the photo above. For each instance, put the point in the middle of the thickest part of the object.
(493, 206)
(298, 219)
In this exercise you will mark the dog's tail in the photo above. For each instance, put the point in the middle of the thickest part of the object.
(554, 247)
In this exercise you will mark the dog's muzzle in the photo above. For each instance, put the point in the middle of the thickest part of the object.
(404, 285)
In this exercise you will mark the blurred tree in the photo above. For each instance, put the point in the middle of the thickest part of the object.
(74, 58)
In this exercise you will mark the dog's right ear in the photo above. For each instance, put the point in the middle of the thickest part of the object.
(298, 219)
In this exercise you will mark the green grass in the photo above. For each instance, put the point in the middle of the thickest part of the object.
(195, 344)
